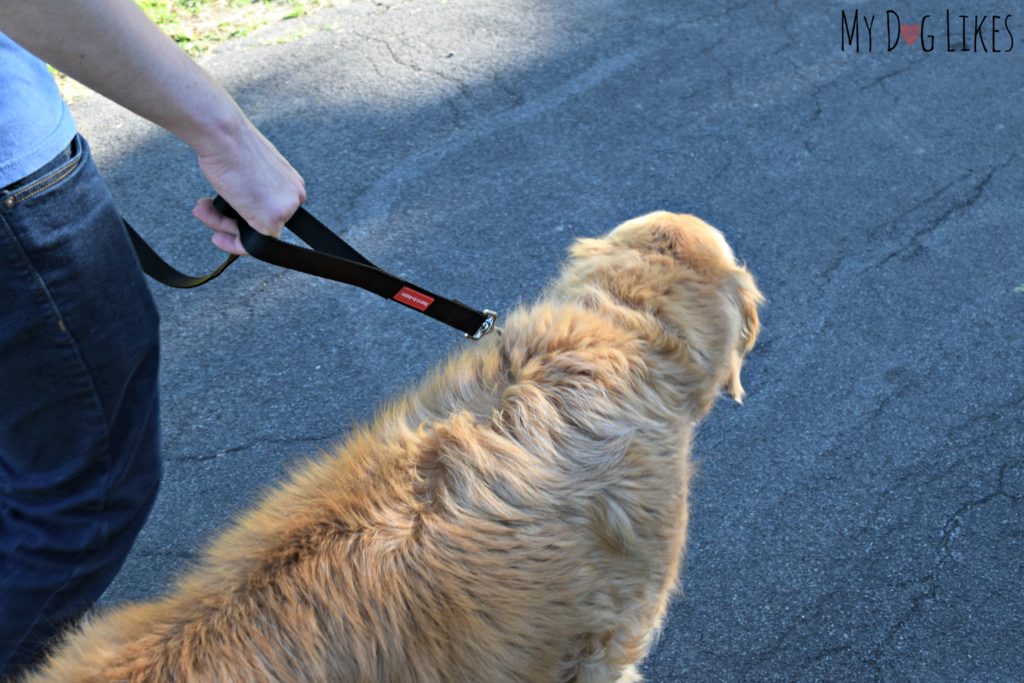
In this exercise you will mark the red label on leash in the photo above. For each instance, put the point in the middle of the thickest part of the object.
(412, 298)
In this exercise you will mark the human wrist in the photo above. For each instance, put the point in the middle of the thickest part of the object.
(216, 129)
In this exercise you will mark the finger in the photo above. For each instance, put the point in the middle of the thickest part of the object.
(225, 230)
(273, 219)
(209, 216)
(230, 244)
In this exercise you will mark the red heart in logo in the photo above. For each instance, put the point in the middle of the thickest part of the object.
(910, 33)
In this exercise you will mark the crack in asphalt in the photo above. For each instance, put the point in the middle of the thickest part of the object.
(950, 529)
(949, 438)
(880, 80)
(974, 194)
(715, 177)
(817, 87)
(914, 241)
(332, 436)
(176, 554)
(952, 525)
(813, 613)
(784, 23)
(462, 90)
(731, 9)
(826, 272)
(709, 52)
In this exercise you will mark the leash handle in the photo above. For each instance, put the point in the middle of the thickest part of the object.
(331, 257)
(161, 271)
(302, 223)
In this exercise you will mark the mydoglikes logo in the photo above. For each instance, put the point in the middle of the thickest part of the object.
(410, 297)
(947, 32)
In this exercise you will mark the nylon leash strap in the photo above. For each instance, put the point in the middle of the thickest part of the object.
(330, 257)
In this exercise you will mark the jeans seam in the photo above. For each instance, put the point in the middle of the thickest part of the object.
(47, 182)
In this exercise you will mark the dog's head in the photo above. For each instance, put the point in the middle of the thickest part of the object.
(681, 270)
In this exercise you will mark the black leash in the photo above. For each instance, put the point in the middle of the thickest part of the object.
(331, 257)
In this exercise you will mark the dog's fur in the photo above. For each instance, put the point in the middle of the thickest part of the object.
(519, 517)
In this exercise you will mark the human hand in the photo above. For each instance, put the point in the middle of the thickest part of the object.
(112, 47)
(252, 176)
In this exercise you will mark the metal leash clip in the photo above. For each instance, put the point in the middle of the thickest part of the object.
(486, 326)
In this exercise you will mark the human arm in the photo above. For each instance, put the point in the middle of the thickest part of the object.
(113, 48)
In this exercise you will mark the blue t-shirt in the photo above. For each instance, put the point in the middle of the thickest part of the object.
(35, 124)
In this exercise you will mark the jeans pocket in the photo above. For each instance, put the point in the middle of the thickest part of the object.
(47, 178)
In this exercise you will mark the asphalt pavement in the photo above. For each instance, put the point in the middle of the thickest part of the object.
(861, 516)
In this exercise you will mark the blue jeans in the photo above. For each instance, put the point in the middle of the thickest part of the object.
(79, 433)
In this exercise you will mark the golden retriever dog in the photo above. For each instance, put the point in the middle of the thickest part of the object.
(521, 516)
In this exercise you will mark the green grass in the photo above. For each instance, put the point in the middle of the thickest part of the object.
(198, 25)
(298, 9)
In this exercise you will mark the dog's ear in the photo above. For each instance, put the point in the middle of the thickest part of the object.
(748, 298)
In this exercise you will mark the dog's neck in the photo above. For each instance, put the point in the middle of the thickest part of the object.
(689, 341)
